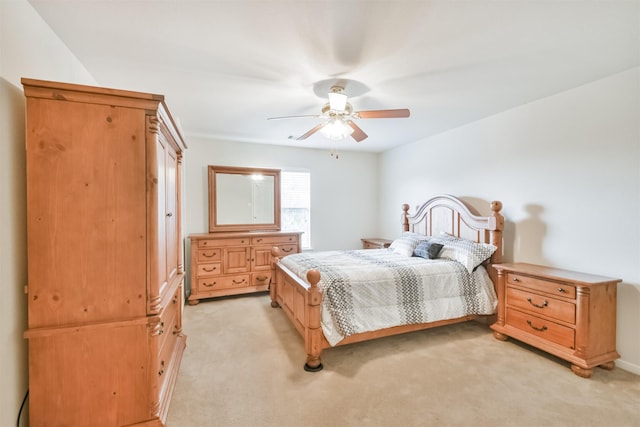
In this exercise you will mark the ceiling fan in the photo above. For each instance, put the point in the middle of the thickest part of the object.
(339, 114)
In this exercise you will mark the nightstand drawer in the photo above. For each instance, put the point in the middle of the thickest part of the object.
(543, 305)
(375, 243)
(539, 327)
(553, 288)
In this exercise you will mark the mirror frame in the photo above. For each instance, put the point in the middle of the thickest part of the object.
(213, 199)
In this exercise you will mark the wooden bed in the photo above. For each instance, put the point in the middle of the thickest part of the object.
(301, 300)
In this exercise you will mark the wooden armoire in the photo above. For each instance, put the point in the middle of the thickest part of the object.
(105, 256)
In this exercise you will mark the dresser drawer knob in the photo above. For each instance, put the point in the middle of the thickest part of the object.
(561, 290)
(544, 304)
(544, 328)
(515, 279)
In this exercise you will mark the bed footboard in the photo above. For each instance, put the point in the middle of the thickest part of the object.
(301, 303)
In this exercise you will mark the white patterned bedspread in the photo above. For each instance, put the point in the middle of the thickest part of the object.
(367, 290)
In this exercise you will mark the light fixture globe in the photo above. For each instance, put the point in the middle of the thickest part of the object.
(336, 129)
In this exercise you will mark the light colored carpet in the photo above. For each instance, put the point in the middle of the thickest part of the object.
(243, 367)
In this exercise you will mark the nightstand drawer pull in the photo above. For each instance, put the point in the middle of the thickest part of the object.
(544, 328)
(544, 304)
(515, 279)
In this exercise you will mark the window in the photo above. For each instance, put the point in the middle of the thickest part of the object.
(295, 199)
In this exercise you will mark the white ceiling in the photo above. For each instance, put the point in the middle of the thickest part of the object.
(226, 66)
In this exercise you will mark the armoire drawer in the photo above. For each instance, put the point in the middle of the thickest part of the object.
(542, 328)
(541, 304)
(168, 331)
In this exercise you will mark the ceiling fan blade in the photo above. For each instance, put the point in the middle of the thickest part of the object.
(312, 131)
(294, 117)
(358, 134)
(382, 114)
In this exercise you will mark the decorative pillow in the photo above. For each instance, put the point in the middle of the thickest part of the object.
(428, 249)
(470, 254)
(405, 244)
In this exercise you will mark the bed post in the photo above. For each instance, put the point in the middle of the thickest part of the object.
(496, 232)
(273, 293)
(313, 339)
(405, 217)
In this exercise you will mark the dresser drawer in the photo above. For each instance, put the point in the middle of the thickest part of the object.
(261, 279)
(213, 283)
(544, 305)
(552, 288)
(207, 255)
(288, 249)
(542, 328)
(210, 269)
(272, 240)
(210, 243)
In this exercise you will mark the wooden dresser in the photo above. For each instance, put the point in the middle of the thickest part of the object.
(568, 314)
(235, 262)
(105, 258)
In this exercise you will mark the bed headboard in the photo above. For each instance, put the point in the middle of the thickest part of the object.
(452, 215)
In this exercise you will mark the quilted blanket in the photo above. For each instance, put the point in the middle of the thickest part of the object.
(367, 290)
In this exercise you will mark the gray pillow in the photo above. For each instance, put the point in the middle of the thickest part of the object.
(428, 250)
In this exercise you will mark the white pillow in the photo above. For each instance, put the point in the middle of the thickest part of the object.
(405, 244)
(469, 253)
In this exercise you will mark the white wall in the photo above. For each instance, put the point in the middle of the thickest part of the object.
(344, 192)
(566, 168)
(28, 48)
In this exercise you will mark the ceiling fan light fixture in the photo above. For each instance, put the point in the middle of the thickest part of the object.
(337, 101)
(336, 129)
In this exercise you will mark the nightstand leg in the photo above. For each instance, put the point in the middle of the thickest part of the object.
(609, 365)
(499, 336)
(581, 372)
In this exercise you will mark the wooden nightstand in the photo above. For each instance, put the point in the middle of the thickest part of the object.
(568, 314)
(375, 243)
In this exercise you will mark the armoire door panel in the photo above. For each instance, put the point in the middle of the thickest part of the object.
(81, 172)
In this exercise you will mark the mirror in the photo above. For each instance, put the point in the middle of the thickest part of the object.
(243, 199)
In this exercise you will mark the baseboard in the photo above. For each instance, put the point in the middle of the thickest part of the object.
(631, 367)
